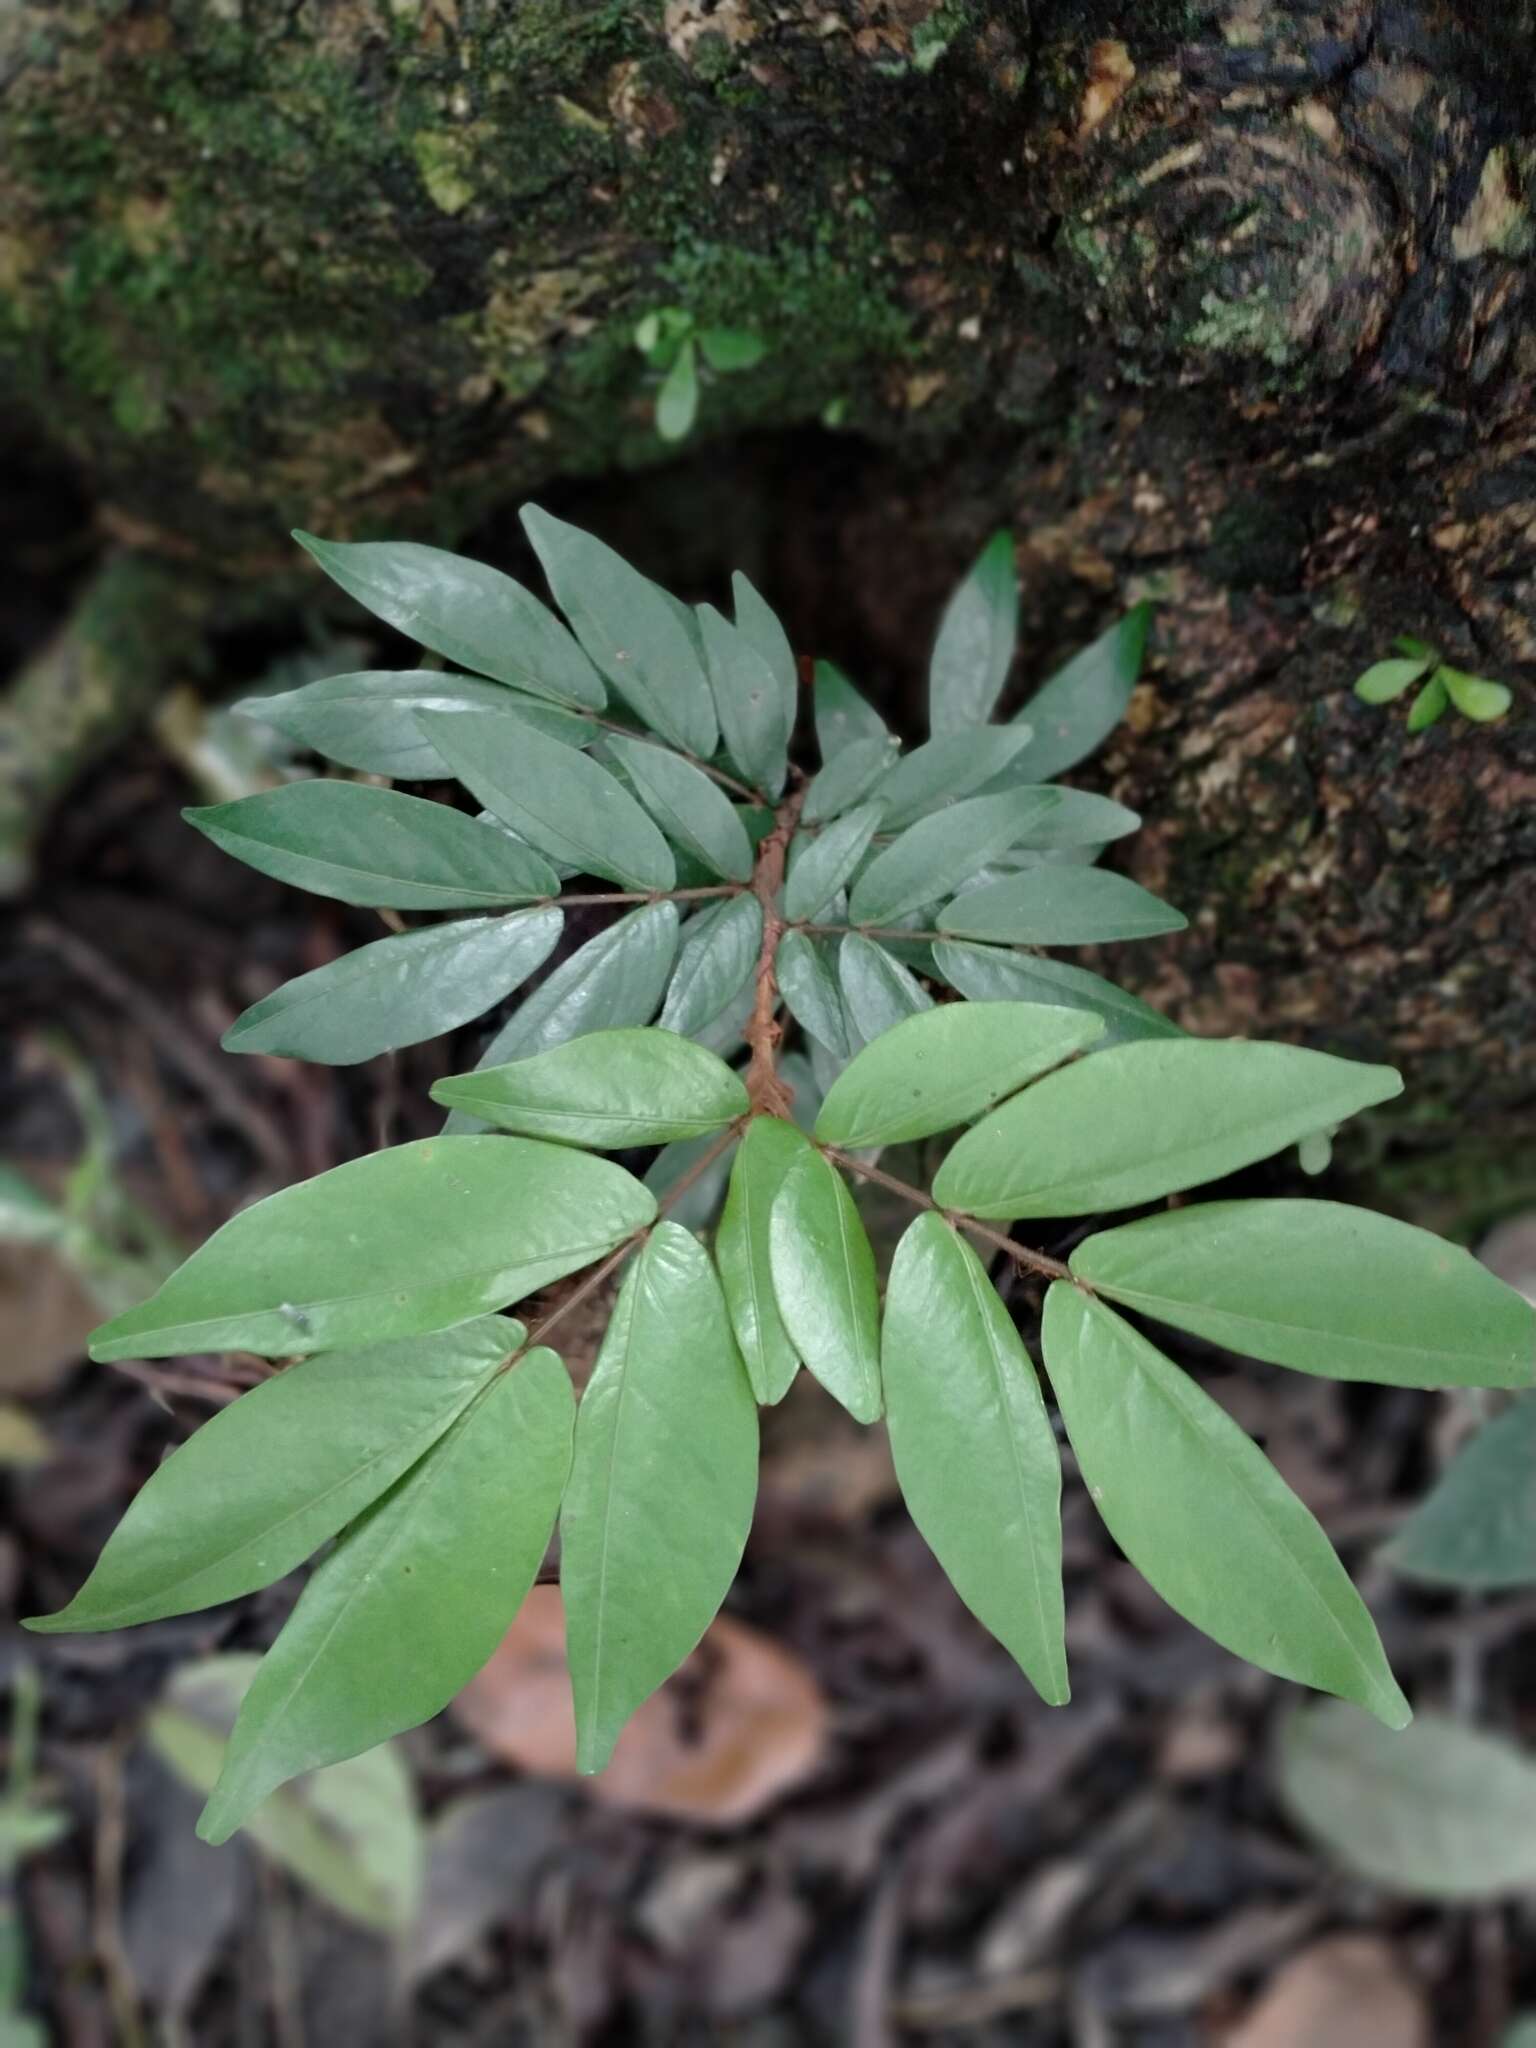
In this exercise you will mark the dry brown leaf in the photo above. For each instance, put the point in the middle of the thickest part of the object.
(741, 1724)
(1350, 1991)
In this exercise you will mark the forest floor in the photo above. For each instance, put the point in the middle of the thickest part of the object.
(848, 1821)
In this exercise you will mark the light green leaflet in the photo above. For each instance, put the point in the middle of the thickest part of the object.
(755, 709)
(1442, 1812)
(767, 1151)
(1082, 703)
(1429, 704)
(368, 720)
(677, 402)
(973, 1447)
(1475, 696)
(933, 857)
(607, 1089)
(557, 798)
(398, 991)
(988, 975)
(974, 648)
(694, 812)
(656, 1513)
(849, 776)
(1384, 680)
(1478, 1526)
(954, 765)
(413, 1599)
(475, 615)
(842, 715)
(1060, 906)
(714, 963)
(818, 867)
(877, 991)
(808, 983)
(1203, 1515)
(1431, 1317)
(946, 1067)
(630, 630)
(270, 1478)
(435, 1232)
(1144, 1120)
(375, 846)
(824, 1283)
(350, 1833)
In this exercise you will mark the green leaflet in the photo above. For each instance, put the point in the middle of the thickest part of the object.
(677, 402)
(1384, 680)
(842, 715)
(699, 1203)
(974, 648)
(755, 709)
(714, 963)
(607, 1089)
(1078, 819)
(375, 846)
(420, 1237)
(413, 1599)
(877, 991)
(818, 867)
(1429, 704)
(809, 985)
(1145, 1120)
(953, 765)
(824, 1283)
(1321, 1287)
(933, 857)
(946, 1067)
(1082, 703)
(270, 1478)
(767, 1151)
(475, 615)
(615, 979)
(1203, 1515)
(693, 811)
(349, 1833)
(1441, 1812)
(849, 776)
(660, 1498)
(1060, 906)
(988, 975)
(1478, 1526)
(368, 721)
(731, 348)
(560, 800)
(629, 629)
(760, 626)
(1475, 697)
(398, 991)
(973, 1447)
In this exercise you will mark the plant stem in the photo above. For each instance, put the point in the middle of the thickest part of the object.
(765, 1090)
(1036, 1262)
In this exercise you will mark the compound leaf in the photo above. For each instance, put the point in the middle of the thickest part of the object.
(988, 975)
(398, 991)
(475, 615)
(819, 866)
(413, 1599)
(1144, 1120)
(974, 648)
(973, 1447)
(420, 1237)
(1322, 1287)
(660, 1497)
(946, 1067)
(768, 1149)
(934, 856)
(714, 963)
(608, 1089)
(630, 630)
(1060, 906)
(375, 847)
(368, 720)
(560, 800)
(270, 1478)
(693, 811)
(824, 1282)
(1203, 1515)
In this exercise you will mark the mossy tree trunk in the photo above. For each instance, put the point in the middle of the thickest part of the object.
(1230, 303)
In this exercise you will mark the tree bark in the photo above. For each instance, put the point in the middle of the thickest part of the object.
(1231, 305)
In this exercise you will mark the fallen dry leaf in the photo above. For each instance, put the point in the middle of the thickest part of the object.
(741, 1724)
(1349, 1991)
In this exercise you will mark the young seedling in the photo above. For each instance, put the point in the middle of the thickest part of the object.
(891, 911)
(687, 355)
(1413, 661)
